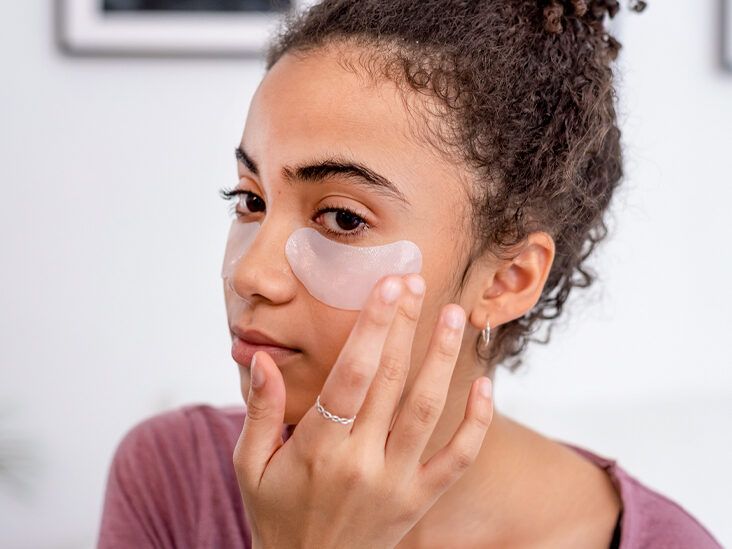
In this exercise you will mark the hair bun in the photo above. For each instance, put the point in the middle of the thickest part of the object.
(556, 10)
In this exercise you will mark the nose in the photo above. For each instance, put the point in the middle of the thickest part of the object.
(255, 266)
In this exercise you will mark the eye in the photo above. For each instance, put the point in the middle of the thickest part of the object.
(252, 202)
(248, 199)
(346, 219)
(343, 222)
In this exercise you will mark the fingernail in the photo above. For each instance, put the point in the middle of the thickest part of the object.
(416, 284)
(485, 386)
(390, 290)
(454, 317)
(257, 374)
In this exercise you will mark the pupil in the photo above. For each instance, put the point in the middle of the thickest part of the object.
(248, 201)
(346, 218)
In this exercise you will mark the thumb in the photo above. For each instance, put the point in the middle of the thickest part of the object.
(261, 434)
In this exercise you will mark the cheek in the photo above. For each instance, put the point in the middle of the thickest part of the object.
(238, 241)
(341, 275)
(424, 331)
(329, 331)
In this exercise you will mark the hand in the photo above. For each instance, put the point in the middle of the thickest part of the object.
(358, 485)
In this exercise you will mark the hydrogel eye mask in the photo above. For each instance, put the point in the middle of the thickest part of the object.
(337, 274)
(341, 275)
(241, 236)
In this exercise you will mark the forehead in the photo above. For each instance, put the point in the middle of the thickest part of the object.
(311, 105)
(315, 96)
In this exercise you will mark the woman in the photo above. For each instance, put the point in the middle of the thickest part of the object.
(420, 183)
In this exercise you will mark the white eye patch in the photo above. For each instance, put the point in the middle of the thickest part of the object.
(339, 275)
(241, 236)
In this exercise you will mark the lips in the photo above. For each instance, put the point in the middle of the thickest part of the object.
(255, 337)
(247, 342)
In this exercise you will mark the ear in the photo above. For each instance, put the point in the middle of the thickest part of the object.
(515, 285)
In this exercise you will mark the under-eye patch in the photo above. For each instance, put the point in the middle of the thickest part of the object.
(337, 274)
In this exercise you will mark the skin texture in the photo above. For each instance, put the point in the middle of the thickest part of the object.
(521, 489)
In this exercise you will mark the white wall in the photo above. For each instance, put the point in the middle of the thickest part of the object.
(113, 233)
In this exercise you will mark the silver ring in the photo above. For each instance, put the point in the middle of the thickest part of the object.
(325, 413)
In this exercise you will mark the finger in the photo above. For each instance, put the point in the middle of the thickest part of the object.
(261, 434)
(345, 388)
(376, 414)
(451, 461)
(423, 405)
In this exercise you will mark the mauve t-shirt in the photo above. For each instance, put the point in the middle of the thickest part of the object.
(171, 484)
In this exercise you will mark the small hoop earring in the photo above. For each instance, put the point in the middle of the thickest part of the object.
(486, 333)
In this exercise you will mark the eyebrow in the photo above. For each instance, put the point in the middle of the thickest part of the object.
(319, 170)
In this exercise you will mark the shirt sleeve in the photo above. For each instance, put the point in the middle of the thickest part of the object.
(656, 520)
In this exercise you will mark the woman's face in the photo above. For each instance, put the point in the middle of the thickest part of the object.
(310, 109)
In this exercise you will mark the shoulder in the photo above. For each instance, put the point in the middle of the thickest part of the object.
(178, 435)
(191, 433)
(657, 520)
(177, 425)
(650, 518)
(171, 480)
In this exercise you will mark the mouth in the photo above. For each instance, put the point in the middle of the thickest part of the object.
(247, 342)
(243, 352)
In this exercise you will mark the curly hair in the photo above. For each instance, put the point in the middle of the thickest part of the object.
(525, 99)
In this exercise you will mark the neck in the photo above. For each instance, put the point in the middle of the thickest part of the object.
(480, 503)
(495, 502)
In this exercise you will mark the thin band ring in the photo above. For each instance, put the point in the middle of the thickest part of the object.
(326, 414)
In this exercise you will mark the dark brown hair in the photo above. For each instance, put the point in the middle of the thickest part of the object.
(525, 99)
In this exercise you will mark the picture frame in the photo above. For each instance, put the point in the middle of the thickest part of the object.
(219, 28)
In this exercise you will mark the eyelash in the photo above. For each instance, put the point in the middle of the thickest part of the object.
(228, 194)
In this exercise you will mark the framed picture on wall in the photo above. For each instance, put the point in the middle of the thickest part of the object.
(169, 27)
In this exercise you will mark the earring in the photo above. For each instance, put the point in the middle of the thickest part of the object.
(486, 333)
